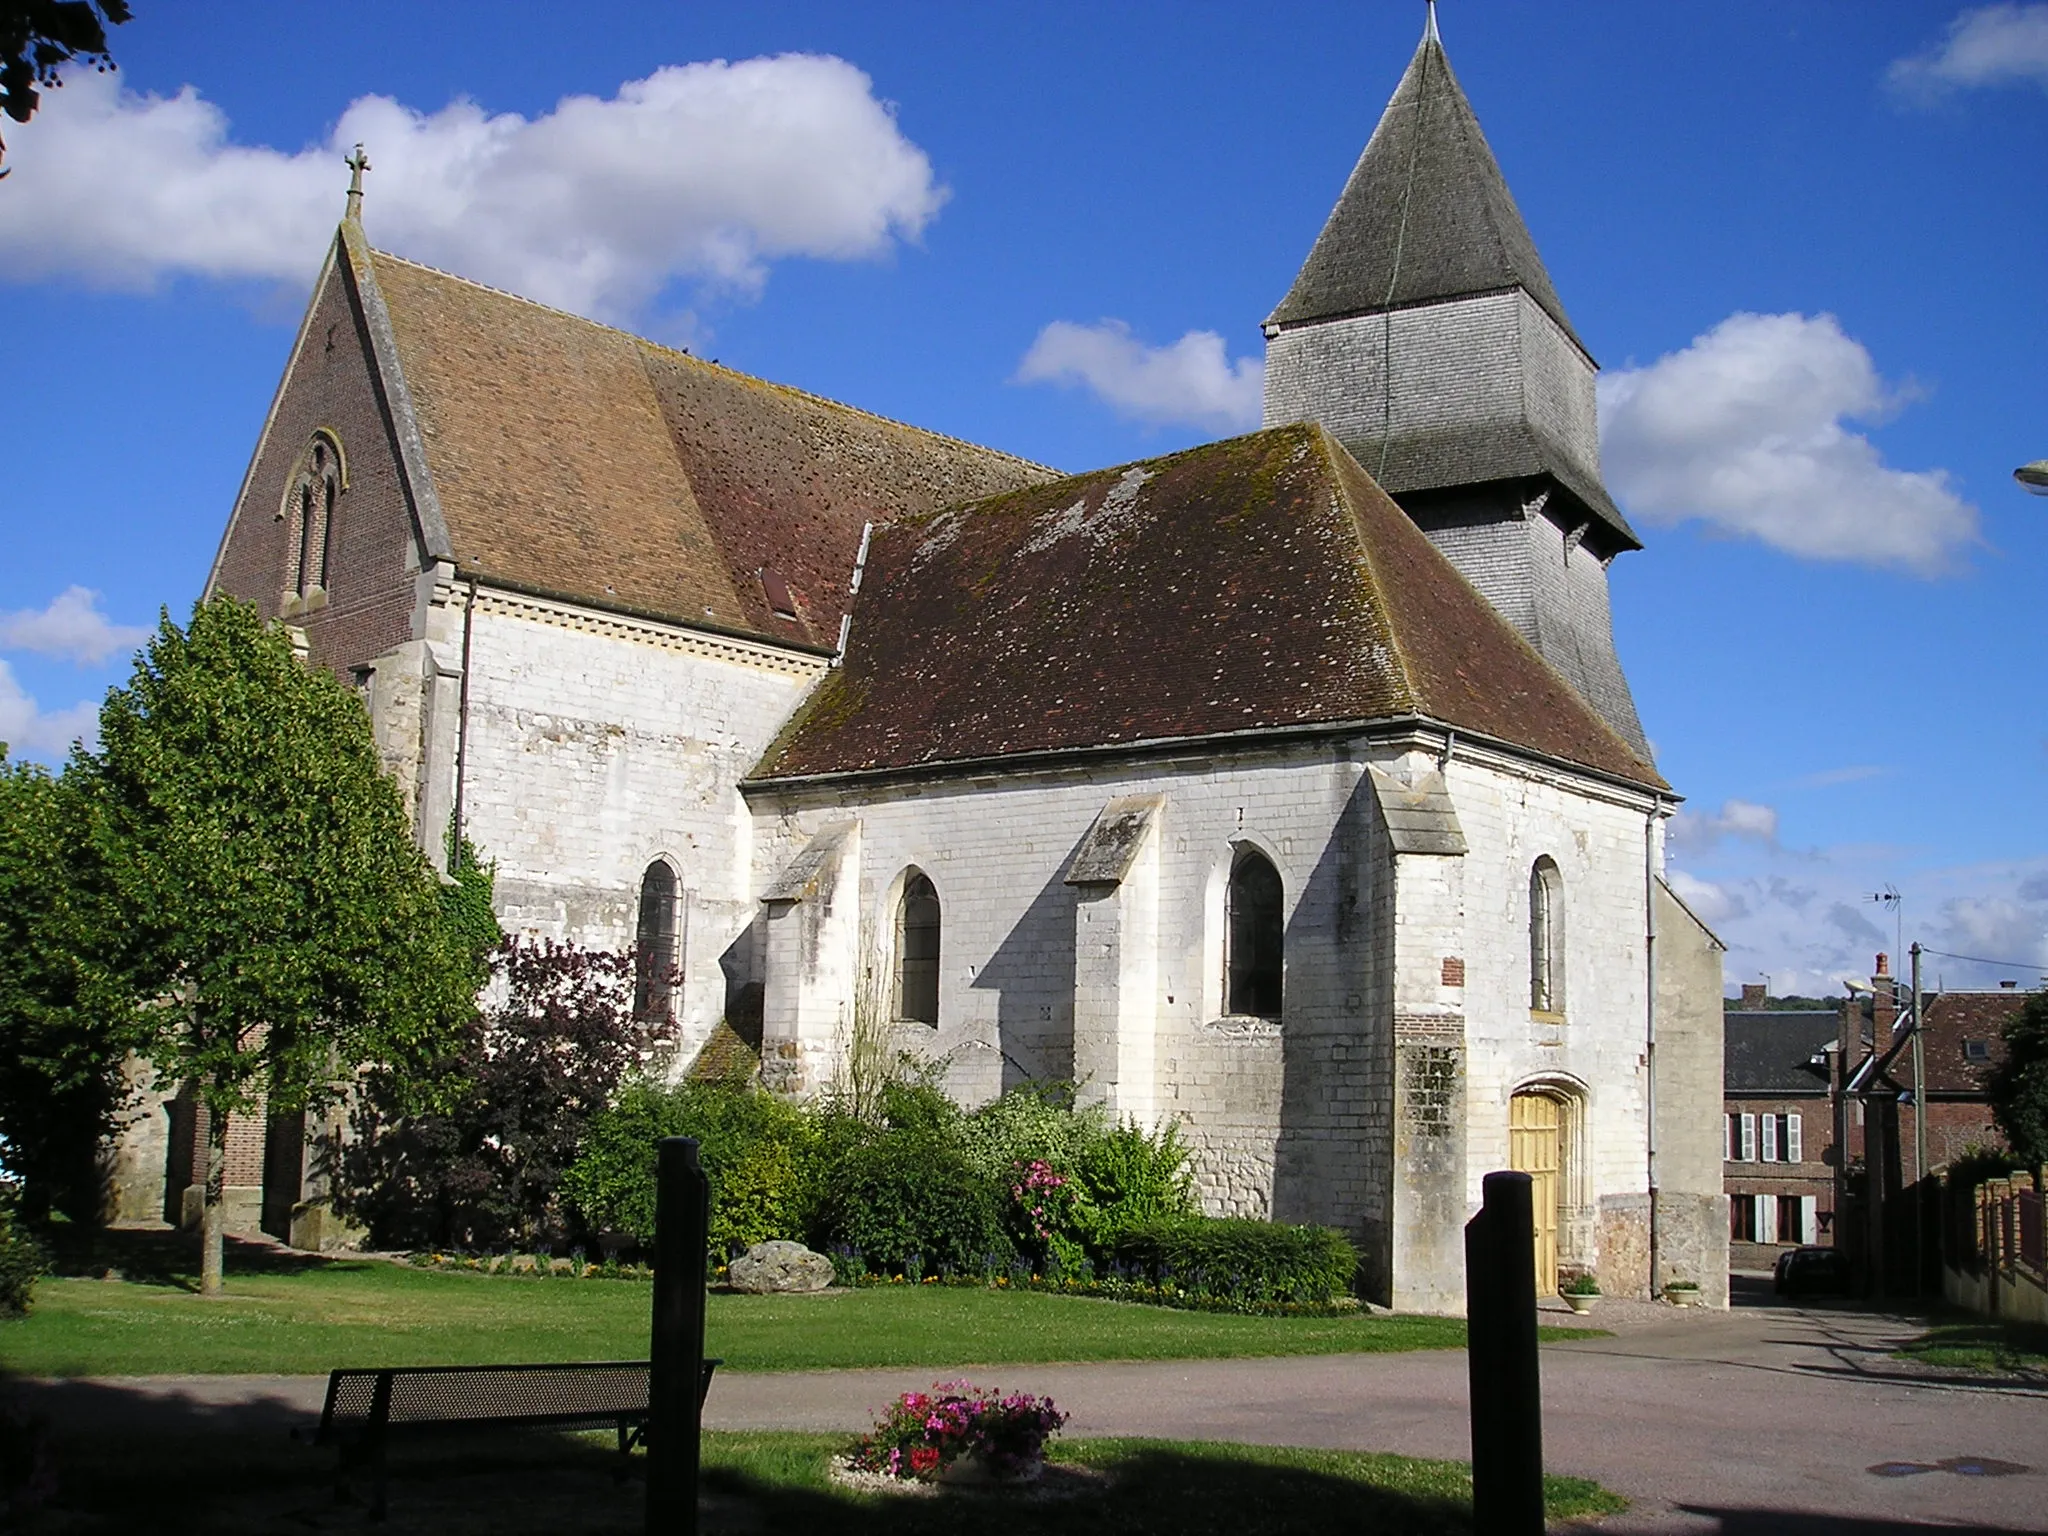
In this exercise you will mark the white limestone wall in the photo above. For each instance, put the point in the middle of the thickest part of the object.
(1286, 1119)
(1596, 1055)
(597, 744)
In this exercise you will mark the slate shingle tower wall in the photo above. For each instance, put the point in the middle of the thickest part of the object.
(1424, 332)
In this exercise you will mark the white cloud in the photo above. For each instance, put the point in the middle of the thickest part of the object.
(1987, 45)
(1713, 904)
(1192, 383)
(1744, 429)
(72, 628)
(706, 171)
(1736, 818)
(31, 731)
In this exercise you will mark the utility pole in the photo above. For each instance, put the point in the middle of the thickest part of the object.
(1919, 1131)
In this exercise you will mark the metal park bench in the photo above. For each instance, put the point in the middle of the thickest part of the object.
(366, 1408)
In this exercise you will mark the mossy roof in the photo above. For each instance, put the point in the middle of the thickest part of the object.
(572, 458)
(1260, 583)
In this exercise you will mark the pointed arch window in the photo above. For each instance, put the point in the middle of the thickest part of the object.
(1255, 937)
(654, 946)
(917, 952)
(1546, 938)
(315, 486)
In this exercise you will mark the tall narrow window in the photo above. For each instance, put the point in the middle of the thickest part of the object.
(308, 512)
(654, 944)
(1546, 938)
(917, 952)
(1256, 937)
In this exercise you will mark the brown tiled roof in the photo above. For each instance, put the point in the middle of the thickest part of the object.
(1264, 582)
(576, 459)
(1953, 1018)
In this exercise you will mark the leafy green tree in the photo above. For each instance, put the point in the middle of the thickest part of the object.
(38, 37)
(278, 926)
(61, 1044)
(2019, 1084)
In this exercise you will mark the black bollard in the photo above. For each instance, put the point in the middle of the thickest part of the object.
(675, 1403)
(1507, 1394)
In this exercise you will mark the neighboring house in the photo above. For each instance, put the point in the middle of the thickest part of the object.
(1964, 1040)
(1780, 1132)
(1227, 785)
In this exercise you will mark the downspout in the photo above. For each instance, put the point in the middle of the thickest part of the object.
(1650, 1021)
(462, 734)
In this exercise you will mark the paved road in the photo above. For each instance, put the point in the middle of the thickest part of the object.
(1758, 1420)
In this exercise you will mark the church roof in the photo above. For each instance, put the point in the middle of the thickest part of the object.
(581, 462)
(1256, 584)
(1425, 216)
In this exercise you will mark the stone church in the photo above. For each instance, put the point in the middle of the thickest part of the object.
(1289, 787)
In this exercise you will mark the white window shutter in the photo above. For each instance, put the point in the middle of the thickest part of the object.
(1809, 1226)
(1748, 1139)
(1770, 1130)
(1793, 1149)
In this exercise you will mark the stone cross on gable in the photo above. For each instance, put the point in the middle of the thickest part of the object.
(357, 163)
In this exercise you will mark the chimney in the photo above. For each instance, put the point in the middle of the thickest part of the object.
(1754, 995)
(1884, 1003)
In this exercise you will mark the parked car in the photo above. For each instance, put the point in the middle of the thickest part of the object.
(1811, 1272)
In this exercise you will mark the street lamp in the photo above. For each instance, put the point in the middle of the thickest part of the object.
(2033, 476)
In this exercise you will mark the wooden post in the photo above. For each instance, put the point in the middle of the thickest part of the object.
(1507, 1395)
(675, 1405)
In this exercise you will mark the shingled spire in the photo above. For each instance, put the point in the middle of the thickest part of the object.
(1426, 214)
(1424, 332)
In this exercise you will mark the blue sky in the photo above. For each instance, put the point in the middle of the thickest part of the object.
(1804, 239)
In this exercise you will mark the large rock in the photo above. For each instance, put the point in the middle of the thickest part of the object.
(768, 1268)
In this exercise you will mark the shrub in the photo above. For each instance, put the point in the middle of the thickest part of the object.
(1240, 1261)
(2018, 1085)
(906, 1202)
(923, 1433)
(758, 1151)
(1131, 1177)
(476, 1158)
(1035, 1123)
(22, 1261)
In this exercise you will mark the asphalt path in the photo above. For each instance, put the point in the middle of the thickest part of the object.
(1761, 1419)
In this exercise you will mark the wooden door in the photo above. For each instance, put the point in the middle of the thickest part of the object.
(1533, 1149)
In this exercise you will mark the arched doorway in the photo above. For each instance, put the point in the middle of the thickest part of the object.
(1536, 1146)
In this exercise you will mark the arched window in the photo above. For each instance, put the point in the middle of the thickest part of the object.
(309, 514)
(1256, 937)
(1546, 938)
(917, 952)
(654, 945)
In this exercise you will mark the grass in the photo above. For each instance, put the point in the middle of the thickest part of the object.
(300, 1314)
(1983, 1344)
(227, 1485)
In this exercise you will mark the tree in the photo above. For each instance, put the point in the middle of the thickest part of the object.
(483, 1168)
(61, 1044)
(2019, 1084)
(38, 37)
(278, 928)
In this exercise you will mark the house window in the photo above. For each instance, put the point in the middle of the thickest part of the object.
(1255, 936)
(654, 946)
(1546, 938)
(1765, 1139)
(309, 515)
(917, 952)
(1977, 1052)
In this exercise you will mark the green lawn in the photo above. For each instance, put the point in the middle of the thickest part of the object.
(1983, 1344)
(370, 1313)
(565, 1486)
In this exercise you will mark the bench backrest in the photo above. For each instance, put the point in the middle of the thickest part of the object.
(483, 1394)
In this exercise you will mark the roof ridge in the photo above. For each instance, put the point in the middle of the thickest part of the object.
(1324, 441)
(704, 362)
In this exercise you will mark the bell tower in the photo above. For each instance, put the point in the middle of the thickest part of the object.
(1424, 333)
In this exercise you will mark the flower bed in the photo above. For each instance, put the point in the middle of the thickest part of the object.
(924, 1435)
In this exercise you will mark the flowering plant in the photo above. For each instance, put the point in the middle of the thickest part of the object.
(922, 1433)
(1042, 1201)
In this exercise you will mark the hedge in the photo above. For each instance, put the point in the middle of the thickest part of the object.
(1236, 1260)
